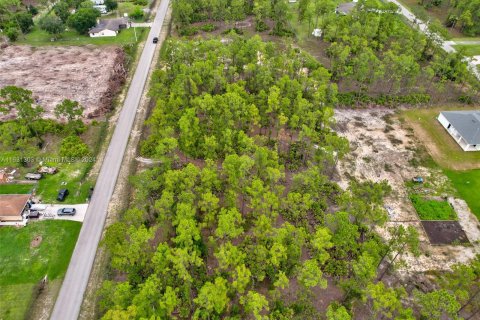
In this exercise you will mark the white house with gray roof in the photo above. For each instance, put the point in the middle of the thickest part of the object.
(464, 127)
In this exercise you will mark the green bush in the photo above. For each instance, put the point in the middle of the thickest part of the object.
(188, 31)
(432, 209)
(74, 147)
(209, 27)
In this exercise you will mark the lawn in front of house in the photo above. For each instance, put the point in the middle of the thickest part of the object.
(467, 184)
(39, 37)
(428, 209)
(23, 264)
(441, 146)
(16, 188)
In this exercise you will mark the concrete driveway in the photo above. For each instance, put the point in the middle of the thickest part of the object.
(51, 212)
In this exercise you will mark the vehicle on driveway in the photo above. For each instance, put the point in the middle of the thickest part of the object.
(66, 212)
(62, 194)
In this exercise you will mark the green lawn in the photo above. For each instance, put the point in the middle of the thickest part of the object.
(467, 184)
(469, 50)
(23, 266)
(16, 188)
(441, 146)
(432, 209)
(69, 176)
(40, 38)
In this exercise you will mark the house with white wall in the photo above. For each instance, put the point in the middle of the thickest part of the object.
(464, 127)
(108, 27)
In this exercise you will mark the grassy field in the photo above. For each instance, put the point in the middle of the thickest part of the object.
(23, 266)
(469, 50)
(467, 184)
(432, 209)
(441, 146)
(16, 188)
(462, 168)
(41, 38)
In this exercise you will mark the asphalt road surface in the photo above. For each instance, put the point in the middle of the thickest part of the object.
(69, 301)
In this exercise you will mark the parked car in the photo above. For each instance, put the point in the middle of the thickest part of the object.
(155, 39)
(62, 194)
(66, 212)
(33, 176)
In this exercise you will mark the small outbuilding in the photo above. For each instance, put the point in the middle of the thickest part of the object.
(464, 127)
(12, 207)
(108, 27)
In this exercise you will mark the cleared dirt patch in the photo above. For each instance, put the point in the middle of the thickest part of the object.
(445, 232)
(89, 75)
(36, 242)
(383, 148)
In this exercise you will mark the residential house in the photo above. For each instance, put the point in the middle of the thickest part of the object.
(109, 27)
(12, 207)
(464, 127)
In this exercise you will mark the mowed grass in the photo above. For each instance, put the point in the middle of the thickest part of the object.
(432, 209)
(469, 50)
(16, 188)
(23, 266)
(39, 37)
(467, 184)
(441, 146)
(15, 300)
(69, 176)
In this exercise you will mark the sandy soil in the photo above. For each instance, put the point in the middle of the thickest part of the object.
(89, 75)
(382, 149)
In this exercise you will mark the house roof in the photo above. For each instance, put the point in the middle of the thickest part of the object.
(346, 7)
(12, 205)
(109, 24)
(467, 123)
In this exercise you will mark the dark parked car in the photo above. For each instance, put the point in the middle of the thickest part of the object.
(155, 40)
(66, 212)
(34, 214)
(62, 194)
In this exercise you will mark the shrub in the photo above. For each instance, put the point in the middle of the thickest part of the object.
(137, 13)
(209, 27)
(188, 31)
(74, 147)
(360, 98)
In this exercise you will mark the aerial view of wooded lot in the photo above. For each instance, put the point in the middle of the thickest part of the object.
(283, 159)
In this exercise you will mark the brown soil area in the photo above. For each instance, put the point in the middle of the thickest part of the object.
(445, 232)
(36, 242)
(89, 75)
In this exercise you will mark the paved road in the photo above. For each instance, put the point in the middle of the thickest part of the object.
(69, 301)
(446, 45)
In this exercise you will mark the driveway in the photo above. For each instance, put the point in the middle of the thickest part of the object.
(70, 298)
(51, 212)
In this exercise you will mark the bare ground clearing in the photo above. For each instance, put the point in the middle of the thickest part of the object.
(382, 149)
(87, 74)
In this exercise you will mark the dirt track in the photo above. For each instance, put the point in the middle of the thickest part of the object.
(89, 75)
